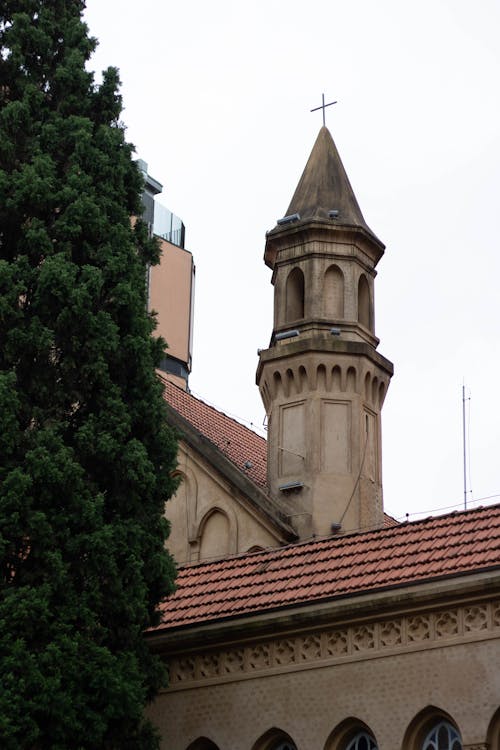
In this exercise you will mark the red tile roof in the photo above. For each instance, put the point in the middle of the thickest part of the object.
(336, 567)
(233, 439)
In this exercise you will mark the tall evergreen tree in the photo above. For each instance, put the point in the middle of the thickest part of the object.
(85, 455)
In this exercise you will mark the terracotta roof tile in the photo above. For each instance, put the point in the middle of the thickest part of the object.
(323, 569)
(233, 439)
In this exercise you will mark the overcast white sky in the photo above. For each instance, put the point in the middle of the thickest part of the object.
(217, 98)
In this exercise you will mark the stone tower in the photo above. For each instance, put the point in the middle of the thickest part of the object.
(322, 380)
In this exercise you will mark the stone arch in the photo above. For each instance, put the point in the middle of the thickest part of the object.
(368, 378)
(302, 378)
(493, 736)
(423, 723)
(275, 739)
(336, 378)
(374, 390)
(202, 743)
(343, 736)
(364, 302)
(381, 394)
(321, 378)
(277, 384)
(294, 295)
(290, 387)
(333, 293)
(217, 533)
(351, 380)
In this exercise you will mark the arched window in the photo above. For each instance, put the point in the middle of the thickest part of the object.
(362, 741)
(443, 736)
(351, 734)
(364, 303)
(275, 739)
(432, 729)
(295, 295)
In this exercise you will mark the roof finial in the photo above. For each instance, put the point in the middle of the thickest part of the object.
(323, 107)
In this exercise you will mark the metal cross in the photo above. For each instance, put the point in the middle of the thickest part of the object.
(323, 107)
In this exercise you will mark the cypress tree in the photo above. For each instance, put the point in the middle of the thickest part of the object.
(86, 457)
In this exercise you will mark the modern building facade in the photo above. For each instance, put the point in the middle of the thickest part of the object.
(170, 283)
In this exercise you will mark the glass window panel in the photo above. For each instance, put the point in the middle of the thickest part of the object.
(442, 736)
(362, 741)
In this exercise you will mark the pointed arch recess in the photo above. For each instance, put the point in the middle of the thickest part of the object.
(275, 739)
(351, 380)
(346, 733)
(381, 394)
(333, 293)
(422, 725)
(278, 388)
(217, 534)
(294, 295)
(364, 302)
(367, 385)
(303, 379)
(322, 383)
(336, 378)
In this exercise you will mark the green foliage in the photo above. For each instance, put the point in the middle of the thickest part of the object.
(85, 455)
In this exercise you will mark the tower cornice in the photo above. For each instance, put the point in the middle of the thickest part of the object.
(283, 351)
(327, 233)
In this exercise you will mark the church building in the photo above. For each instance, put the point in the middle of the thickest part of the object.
(305, 618)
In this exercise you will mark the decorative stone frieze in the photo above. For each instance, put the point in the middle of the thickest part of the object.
(418, 628)
(496, 614)
(357, 641)
(475, 618)
(447, 623)
(390, 633)
(363, 637)
(337, 643)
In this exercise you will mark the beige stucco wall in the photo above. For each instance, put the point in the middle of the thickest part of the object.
(386, 694)
(383, 673)
(202, 501)
(170, 286)
(324, 409)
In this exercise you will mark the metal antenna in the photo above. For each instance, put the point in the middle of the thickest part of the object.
(464, 444)
(323, 107)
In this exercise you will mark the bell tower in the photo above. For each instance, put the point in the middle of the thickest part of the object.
(322, 379)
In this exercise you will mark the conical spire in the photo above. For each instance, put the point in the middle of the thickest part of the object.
(325, 187)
